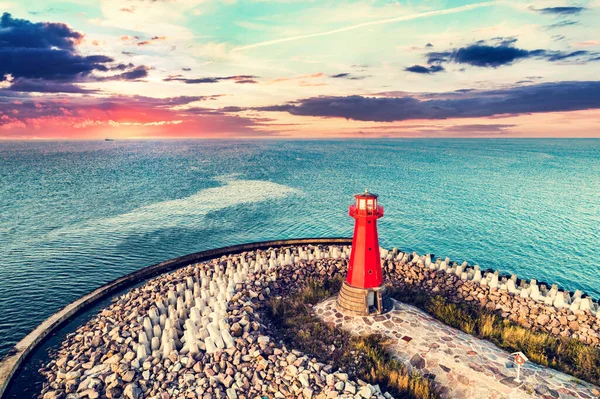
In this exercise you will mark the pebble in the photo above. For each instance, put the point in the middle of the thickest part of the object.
(198, 332)
(138, 346)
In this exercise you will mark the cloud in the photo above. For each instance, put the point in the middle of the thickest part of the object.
(86, 106)
(135, 73)
(45, 86)
(48, 51)
(20, 33)
(74, 117)
(348, 76)
(562, 24)
(545, 97)
(586, 43)
(424, 70)
(246, 81)
(560, 10)
(501, 52)
(294, 78)
(562, 55)
(43, 51)
(216, 79)
(152, 40)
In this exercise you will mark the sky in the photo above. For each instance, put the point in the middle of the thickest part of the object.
(130, 69)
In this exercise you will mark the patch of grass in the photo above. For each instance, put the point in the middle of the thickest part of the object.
(568, 355)
(366, 358)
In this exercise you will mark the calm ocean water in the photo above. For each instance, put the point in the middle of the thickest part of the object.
(74, 215)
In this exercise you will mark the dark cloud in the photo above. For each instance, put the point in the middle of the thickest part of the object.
(481, 55)
(246, 81)
(348, 76)
(45, 86)
(122, 67)
(20, 33)
(43, 51)
(545, 97)
(562, 24)
(48, 51)
(429, 45)
(561, 10)
(136, 73)
(236, 79)
(424, 69)
(564, 55)
(501, 52)
(186, 69)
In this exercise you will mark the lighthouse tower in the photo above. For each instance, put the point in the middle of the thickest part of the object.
(363, 292)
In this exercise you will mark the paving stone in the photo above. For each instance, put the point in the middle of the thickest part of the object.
(463, 365)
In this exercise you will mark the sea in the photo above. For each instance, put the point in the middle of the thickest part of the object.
(77, 214)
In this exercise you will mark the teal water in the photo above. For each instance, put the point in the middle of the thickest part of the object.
(74, 215)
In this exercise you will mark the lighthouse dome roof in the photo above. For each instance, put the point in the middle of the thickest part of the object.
(366, 194)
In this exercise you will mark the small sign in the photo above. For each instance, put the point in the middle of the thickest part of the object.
(520, 360)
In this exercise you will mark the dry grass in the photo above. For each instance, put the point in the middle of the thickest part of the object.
(564, 354)
(366, 358)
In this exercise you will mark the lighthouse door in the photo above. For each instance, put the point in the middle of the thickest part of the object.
(371, 299)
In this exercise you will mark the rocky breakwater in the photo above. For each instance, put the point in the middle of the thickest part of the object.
(198, 333)
(529, 303)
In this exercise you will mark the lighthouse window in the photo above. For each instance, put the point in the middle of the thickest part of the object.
(361, 204)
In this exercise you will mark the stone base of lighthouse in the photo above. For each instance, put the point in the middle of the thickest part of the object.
(363, 301)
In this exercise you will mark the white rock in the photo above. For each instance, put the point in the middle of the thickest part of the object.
(494, 281)
(227, 339)
(141, 352)
(510, 286)
(586, 304)
(559, 300)
(477, 275)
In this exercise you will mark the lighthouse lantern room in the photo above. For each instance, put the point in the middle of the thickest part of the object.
(363, 291)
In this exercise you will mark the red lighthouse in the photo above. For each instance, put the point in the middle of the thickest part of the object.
(363, 292)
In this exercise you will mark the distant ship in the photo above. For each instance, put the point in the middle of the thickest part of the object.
(109, 139)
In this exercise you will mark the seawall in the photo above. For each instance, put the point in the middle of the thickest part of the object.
(16, 356)
(530, 303)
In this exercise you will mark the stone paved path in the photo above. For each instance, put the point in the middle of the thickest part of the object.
(465, 366)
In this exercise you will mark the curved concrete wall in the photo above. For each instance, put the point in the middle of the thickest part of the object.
(11, 363)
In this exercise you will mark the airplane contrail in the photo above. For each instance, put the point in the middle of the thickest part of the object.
(379, 22)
